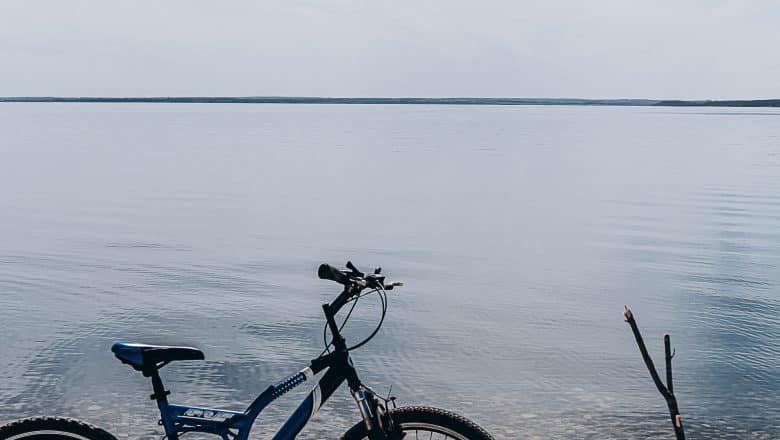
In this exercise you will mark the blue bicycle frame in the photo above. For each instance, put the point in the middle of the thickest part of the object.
(179, 419)
(234, 425)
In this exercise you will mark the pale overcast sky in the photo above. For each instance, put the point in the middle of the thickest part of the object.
(590, 49)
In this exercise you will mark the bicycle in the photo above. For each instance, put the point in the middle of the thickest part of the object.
(379, 420)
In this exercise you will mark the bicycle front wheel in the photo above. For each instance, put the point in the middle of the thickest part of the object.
(52, 428)
(433, 423)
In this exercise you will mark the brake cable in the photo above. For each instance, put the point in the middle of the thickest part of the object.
(383, 298)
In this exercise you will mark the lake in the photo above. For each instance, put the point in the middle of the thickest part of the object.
(520, 233)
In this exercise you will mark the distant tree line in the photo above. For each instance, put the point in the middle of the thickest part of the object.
(428, 101)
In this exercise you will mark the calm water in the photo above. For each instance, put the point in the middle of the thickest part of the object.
(520, 231)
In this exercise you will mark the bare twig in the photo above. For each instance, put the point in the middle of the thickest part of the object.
(668, 355)
(667, 391)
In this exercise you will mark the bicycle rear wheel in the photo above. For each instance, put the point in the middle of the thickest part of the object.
(52, 428)
(434, 423)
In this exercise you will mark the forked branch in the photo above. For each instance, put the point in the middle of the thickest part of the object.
(667, 391)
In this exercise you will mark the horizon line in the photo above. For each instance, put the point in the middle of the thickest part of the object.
(773, 102)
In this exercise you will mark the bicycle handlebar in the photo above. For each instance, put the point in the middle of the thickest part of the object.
(355, 277)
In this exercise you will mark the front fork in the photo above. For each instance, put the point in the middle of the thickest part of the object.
(365, 409)
(378, 422)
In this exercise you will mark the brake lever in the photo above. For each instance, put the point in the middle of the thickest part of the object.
(354, 270)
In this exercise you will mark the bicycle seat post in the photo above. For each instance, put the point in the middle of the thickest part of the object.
(161, 396)
(160, 393)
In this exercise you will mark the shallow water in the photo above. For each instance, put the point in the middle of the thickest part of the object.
(520, 231)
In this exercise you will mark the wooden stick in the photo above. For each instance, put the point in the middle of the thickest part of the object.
(667, 391)
(668, 355)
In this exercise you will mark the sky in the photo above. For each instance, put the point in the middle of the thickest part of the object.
(690, 49)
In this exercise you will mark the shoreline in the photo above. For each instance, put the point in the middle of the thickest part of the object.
(763, 103)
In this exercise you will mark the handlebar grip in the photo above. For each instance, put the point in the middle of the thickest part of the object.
(328, 272)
